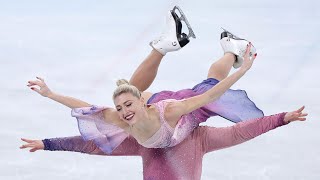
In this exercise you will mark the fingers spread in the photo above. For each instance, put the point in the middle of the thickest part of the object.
(33, 149)
(32, 83)
(27, 140)
(300, 109)
(41, 79)
(254, 57)
(35, 89)
(248, 50)
(302, 119)
(24, 146)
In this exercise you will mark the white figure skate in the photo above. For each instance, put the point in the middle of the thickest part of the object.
(173, 38)
(237, 46)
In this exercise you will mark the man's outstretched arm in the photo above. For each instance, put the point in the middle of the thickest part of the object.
(129, 147)
(218, 138)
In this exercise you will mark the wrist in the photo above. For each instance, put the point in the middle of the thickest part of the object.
(285, 118)
(50, 94)
(242, 70)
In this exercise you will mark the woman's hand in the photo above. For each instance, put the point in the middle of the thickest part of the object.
(248, 61)
(34, 145)
(40, 87)
(297, 115)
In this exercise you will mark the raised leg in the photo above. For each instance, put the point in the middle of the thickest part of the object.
(234, 49)
(221, 68)
(233, 44)
(173, 39)
(145, 74)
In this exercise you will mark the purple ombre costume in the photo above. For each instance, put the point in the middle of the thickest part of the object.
(183, 161)
(233, 105)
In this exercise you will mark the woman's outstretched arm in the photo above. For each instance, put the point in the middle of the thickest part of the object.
(129, 147)
(218, 138)
(41, 87)
(190, 104)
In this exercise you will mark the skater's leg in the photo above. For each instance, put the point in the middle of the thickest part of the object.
(145, 74)
(221, 68)
(172, 39)
(233, 44)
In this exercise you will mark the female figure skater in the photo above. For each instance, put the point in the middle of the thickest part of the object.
(163, 122)
(183, 161)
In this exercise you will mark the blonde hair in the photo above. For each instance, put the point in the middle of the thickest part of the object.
(125, 87)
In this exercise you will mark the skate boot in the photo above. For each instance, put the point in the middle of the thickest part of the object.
(173, 39)
(235, 45)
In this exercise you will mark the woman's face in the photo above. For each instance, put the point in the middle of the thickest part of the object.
(129, 107)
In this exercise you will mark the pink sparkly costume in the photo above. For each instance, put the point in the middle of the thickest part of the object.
(233, 105)
(164, 136)
(183, 161)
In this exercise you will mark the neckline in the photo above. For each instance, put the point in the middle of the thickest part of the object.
(163, 122)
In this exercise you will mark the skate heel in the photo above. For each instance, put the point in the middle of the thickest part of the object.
(235, 45)
(223, 35)
(183, 39)
(173, 38)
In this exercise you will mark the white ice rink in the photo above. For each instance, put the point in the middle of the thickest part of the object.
(82, 47)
